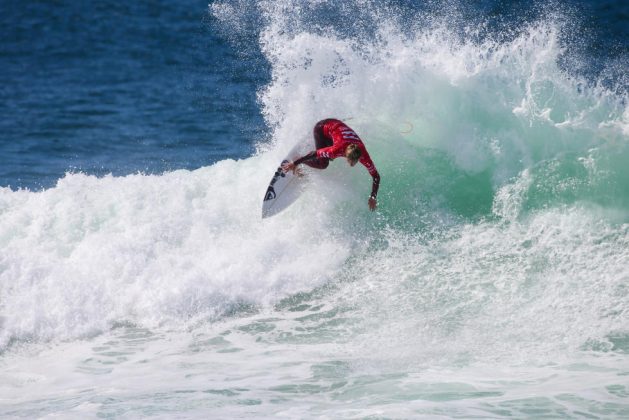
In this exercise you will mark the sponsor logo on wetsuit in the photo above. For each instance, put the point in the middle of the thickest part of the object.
(349, 135)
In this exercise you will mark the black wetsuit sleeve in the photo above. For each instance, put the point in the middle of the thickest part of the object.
(310, 156)
(375, 185)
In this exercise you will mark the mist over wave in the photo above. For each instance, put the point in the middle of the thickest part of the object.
(503, 208)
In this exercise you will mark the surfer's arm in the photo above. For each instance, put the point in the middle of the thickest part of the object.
(310, 156)
(373, 202)
(290, 166)
(329, 152)
(365, 159)
(375, 185)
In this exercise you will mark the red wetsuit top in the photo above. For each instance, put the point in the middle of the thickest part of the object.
(342, 136)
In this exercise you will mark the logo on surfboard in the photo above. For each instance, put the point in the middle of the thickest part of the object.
(270, 192)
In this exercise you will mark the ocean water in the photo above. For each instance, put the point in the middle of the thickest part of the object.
(137, 278)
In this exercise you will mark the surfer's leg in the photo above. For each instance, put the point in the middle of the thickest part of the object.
(321, 141)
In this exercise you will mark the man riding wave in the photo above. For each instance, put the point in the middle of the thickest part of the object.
(333, 138)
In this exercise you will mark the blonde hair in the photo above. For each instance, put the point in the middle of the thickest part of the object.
(353, 152)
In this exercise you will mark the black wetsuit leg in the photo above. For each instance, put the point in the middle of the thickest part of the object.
(321, 141)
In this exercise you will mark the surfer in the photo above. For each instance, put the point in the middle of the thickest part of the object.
(333, 138)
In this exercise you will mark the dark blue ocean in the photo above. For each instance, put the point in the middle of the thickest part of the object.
(111, 87)
(138, 278)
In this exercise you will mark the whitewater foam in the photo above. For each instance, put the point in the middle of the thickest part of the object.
(94, 252)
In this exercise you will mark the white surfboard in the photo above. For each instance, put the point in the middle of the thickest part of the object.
(285, 187)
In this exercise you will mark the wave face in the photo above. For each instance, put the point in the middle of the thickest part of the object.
(505, 193)
(502, 231)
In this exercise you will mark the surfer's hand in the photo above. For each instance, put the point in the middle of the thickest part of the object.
(373, 203)
(288, 166)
